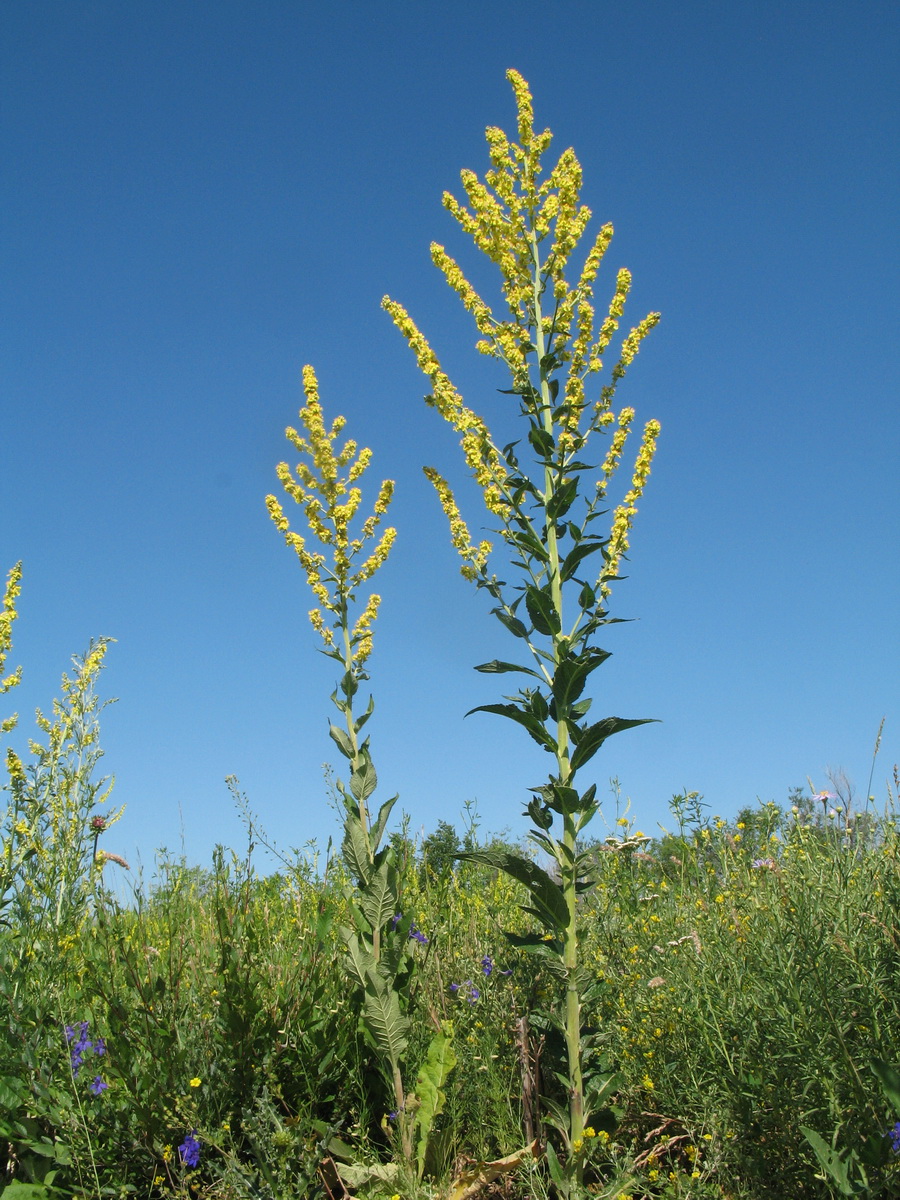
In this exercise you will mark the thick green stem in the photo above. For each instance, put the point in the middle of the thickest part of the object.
(564, 771)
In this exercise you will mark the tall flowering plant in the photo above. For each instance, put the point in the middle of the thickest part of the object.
(382, 942)
(552, 515)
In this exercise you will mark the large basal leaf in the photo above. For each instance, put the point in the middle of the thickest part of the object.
(530, 722)
(432, 1076)
(385, 1022)
(549, 902)
(591, 739)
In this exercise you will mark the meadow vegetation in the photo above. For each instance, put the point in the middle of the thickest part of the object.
(583, 1010)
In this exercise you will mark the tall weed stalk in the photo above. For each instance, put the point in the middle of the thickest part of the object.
(552, 516)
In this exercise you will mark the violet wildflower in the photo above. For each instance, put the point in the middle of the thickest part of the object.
(418, 935)
(190, 1149)
(99, 1085)
(487, 965)
(768, 863)
(474, 994)
(76, 1052)
(396, 919)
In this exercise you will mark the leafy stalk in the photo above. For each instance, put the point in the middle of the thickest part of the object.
(380, 955)
(546, 516)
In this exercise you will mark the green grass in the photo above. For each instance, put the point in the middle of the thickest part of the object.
(737, 1000)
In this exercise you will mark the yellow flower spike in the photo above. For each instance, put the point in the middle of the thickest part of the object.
(331, 501)
(7, 616)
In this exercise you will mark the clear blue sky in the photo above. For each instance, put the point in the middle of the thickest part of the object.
(197, 199)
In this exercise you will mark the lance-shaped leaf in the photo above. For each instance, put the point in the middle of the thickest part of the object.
(516, 627)
(342, 741)
(383, 813)
(355, 851)
(430, 1081)
(541, 610)
(591, 739)
(542, 441)
(577, 555)
(526, 719)
(549, 902)
(496, 667)
(561, 500)
(572, 673)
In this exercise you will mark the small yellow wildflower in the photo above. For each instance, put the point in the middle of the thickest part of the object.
(167, 1153)
(195, 1082)
(577, 1145)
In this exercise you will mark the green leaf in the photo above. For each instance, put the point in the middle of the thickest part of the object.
(496, 667)
(542, 441)
(549, 902)
(830, 1160)
(383, 813)
(572, 674)
(342, 741)
(526, 719)
(370, 708)
(379, 900)
(364, 781)
(889, 1078)
(354, 850)
(385, 1022)
(24, 1191)
(541, 610)
(556, 1170)
(591, 739)
(432, 1076)
(576, 556)
(361, 962)
(561, 500)
(513, 624)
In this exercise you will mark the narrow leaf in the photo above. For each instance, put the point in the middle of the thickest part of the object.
(496, 667)
(591, 739)
(541, 610)
(531, 723)
(550, 903)
(342, 741)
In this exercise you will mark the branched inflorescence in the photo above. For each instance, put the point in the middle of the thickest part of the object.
(325, 486)
(551, 343)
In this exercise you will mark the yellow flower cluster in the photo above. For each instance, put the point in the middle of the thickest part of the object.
(624, 514)
(8, 614)
(330, 501)
(474, 557)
